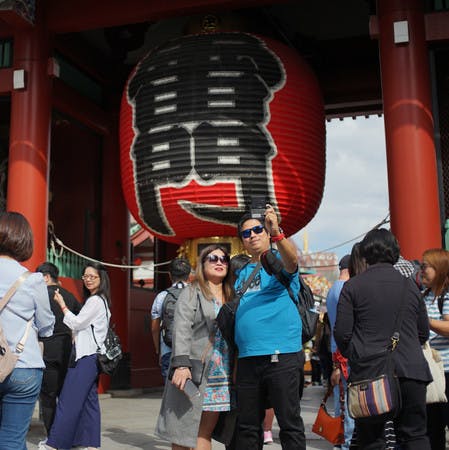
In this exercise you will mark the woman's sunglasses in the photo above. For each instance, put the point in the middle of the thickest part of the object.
(247, 233)
(213, 259)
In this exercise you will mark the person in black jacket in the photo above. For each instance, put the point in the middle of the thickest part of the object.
(366, 316)
(57, 348)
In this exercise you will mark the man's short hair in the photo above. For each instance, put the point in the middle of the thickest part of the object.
(48, 268)
(245, 217)
(180, 269)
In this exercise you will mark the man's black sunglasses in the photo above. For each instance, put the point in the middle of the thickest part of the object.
(247, 233)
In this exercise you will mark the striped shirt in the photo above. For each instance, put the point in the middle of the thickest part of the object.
(438, 342)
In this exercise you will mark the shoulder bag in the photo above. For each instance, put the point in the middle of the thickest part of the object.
(379, 393)
(8, 359)
(436, 390)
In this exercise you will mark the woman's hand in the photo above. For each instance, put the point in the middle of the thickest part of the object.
(180, 376)
(335, 377)
(59, 299)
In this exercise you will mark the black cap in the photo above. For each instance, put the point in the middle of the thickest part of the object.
(344, 262)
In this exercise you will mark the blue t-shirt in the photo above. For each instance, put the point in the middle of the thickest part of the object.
(331, 305)
(267, 320)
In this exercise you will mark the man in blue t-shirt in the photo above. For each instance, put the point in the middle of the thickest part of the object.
(268, 336)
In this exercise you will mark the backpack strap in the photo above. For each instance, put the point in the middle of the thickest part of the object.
(92, 327)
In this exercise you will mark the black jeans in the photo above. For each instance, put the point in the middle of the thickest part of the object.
(260, 383)
(438, 420)
(56, 356)
(409, 425)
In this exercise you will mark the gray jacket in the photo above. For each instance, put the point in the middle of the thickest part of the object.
(193, 333)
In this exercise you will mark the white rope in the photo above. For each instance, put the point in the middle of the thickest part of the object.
(119, 266)
(383, 222)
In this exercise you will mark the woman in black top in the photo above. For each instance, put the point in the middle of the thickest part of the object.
(366, 316)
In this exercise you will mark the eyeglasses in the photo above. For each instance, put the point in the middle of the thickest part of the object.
(213, 259)
(247, 233)
(89, 277)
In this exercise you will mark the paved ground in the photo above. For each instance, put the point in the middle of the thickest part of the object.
(129, 418)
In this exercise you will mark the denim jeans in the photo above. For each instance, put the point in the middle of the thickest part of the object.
(165, 364)
(349, 421)
(18, 395)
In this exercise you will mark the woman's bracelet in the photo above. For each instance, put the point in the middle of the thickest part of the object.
(64, 309)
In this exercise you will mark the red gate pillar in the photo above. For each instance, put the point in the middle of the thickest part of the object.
(412, 170)
(29, 138)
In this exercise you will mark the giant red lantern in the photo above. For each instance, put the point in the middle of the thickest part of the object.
(210, 121)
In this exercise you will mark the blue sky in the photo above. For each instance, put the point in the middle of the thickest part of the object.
(356, 187)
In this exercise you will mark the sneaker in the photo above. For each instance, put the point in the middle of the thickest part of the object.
(267, 437)
(41, 445)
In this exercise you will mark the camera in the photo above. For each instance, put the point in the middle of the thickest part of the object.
(258, 207)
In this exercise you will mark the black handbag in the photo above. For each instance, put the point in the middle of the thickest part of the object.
(108, 362)
(226, 316)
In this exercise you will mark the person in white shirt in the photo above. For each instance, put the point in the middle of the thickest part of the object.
(77, 419)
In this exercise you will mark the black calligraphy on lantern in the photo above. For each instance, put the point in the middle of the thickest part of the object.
(200, 113)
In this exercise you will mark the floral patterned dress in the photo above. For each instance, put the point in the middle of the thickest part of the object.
(216, 394)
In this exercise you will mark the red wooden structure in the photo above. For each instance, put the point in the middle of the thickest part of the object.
(63, 68)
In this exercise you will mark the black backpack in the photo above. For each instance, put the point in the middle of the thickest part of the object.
(305, 302)
(168, 313)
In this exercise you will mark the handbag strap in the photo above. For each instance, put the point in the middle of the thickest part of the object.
(329, 392)
(92, 327)
(12, 290)
(245, 286)
(395, 336)
(7, 297)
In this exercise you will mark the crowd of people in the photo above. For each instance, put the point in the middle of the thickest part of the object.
(375, 287)
(220, 388)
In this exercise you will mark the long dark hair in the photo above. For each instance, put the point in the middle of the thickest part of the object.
(227, 287)
(104, 290)
(357, 263)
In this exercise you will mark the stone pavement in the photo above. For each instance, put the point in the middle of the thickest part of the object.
(129, 418)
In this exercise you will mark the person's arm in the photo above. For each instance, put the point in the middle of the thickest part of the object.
(43, 315)
(423, 321)
(186, 307)
(441, 327)
(155, 333)
(286, 248)
(345, 320)
(92, 308)
(156, 314)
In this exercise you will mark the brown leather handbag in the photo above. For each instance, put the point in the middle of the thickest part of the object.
(331, 428)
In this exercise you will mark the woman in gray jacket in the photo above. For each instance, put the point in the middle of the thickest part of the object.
(188, 421)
